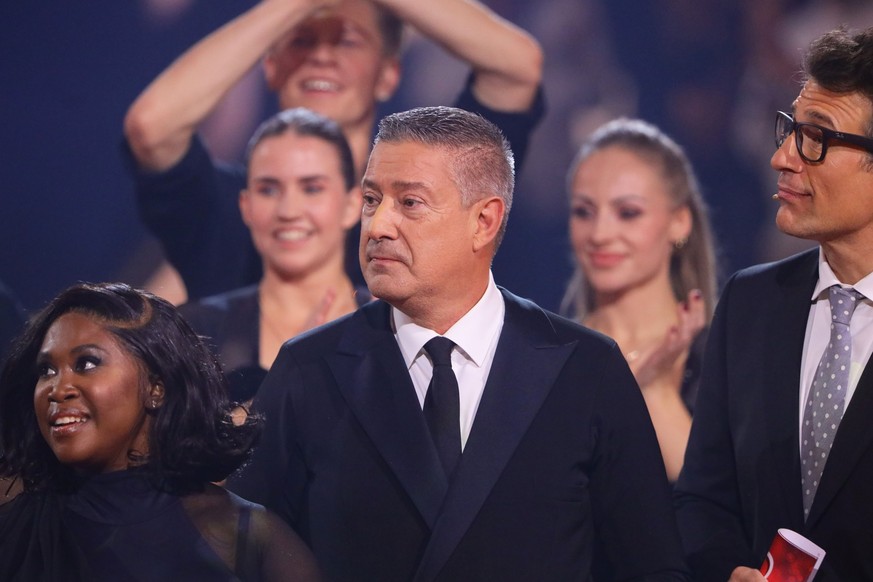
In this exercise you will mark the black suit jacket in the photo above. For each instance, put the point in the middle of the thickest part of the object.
(741, 480)
(561, 472)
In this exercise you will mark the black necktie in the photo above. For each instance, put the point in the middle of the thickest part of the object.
(442, 404)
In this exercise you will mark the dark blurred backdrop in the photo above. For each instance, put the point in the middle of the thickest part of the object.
(709, 72)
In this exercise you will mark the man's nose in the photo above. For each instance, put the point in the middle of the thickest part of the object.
(382, 222)
(786, 157)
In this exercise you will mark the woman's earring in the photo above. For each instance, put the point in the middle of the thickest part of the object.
(156, 396)
(678, 244)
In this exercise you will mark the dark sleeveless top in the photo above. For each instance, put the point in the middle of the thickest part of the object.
(230, 322)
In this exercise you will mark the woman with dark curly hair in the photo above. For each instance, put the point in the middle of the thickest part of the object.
(114, 422)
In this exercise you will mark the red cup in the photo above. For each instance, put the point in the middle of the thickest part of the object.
(792, 558)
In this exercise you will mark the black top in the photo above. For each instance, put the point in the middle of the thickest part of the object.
(119, 526)
(230, 322)
(693, 369)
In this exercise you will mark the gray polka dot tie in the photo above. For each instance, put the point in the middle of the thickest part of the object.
(824, 406)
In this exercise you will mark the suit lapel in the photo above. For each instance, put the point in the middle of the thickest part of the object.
(526, 365)
(853, 439)
(855, 434)
(786, 332)
(372, 376)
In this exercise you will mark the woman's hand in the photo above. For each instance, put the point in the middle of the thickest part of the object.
(656, 365)
(320, 314)
(659, 372)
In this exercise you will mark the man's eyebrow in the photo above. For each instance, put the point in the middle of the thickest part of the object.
(399, 185)
(820, 118)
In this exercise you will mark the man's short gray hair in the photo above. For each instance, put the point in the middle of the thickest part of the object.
(483, 164)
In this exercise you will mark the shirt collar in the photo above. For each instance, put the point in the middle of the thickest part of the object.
(472, 333)
(827, 279)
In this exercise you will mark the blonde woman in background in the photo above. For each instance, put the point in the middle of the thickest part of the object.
(645, 266)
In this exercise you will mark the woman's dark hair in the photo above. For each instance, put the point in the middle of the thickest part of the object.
(303, 122)
(192, 440)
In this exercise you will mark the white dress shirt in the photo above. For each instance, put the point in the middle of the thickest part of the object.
(818, 326)
(475, 334)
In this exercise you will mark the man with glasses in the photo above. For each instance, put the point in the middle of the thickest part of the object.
(782, 434)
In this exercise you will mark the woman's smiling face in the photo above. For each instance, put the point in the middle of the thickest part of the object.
(90, 396)
(622, 222)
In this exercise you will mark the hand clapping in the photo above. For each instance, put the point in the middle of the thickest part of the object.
(656, 363)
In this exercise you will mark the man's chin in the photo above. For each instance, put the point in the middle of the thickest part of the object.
(789, 224)
(382, 292)
(380, 285)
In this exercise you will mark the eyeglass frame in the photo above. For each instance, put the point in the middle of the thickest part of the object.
(828, 135)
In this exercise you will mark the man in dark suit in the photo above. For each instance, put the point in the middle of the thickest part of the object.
(778, 439)
(560, 475)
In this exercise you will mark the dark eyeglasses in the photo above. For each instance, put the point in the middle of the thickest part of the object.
(812, 140)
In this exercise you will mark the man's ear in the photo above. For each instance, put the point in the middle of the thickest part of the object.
(388, 80)
(489, 217)
(353, 207)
